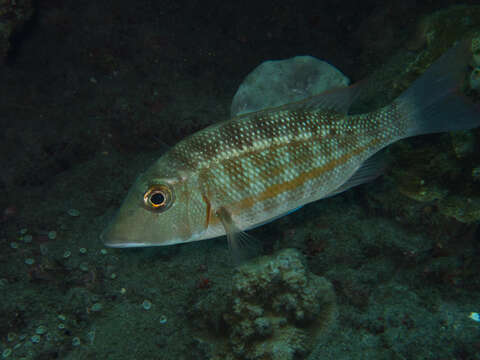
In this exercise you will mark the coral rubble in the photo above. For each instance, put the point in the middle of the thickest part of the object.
(276, 312)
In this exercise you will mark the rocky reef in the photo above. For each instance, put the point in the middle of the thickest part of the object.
(439, 175)
(276, 311)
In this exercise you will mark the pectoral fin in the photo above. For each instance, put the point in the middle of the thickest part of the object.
(241, 245)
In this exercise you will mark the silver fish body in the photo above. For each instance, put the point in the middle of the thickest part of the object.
(240, 173)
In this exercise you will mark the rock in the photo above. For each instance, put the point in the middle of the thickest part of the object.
(465, 210)
(475, 79)
(277, 311)
(13, 16)
(275, 83)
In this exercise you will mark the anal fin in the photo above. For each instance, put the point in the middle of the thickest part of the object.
(369, 170)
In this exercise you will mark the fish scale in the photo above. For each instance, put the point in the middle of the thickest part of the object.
(256, 167)
(276, 160)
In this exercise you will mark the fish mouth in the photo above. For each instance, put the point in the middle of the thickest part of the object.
(110, 239)
(125, 245)
(115, 243)
(120, 234)
(114, 239)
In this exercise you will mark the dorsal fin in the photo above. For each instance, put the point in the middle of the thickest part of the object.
(336, 100)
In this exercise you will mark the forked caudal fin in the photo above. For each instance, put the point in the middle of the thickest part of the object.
(435, 102)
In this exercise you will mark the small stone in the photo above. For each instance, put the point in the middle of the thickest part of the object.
(29, 261)
(76, 341)
(147, 305)
(61, 317)
(73, 212)
(263, 326)
(27, 238)
(91, 336)
(113, 276)
(476, 173)
(35, 339)
(82, 250)
(43, 249)
(84, 266)
(61, 326)
(6, 353)
(23, 231)
(474, 316)
(475, 79)
(41, 330)
(67, 254)
(52, 235)
(476, 58)
(96, 307)
(14, 245)
(163, 319)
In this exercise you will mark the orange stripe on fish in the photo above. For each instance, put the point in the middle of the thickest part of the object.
(277, 189)
(256, 167)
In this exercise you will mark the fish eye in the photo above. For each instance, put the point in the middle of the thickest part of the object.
(158, 197)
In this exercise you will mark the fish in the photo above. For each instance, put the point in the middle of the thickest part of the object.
(254, 168)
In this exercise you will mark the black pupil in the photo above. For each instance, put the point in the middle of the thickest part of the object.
(157, 198)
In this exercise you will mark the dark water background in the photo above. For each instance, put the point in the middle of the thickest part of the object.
(91, 92)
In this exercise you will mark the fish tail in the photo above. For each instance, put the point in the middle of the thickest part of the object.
(435, 102)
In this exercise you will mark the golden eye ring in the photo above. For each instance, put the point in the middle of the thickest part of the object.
(158, 197)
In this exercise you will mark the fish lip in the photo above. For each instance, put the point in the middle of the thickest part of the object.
(125, 245)
(107, 241)
(103, 239)
(112, 243)
(115, 244)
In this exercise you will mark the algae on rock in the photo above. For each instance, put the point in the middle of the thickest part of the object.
(276, 312)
